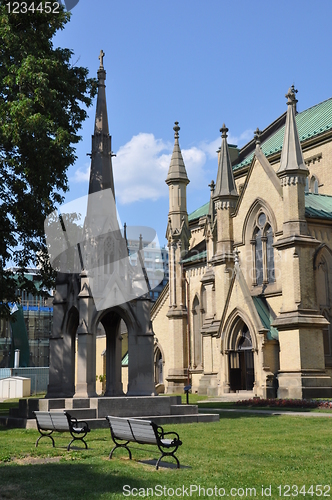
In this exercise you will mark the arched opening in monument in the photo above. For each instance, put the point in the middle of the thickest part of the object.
(158, 367)
(112, 326)
(69, 351)
(241, 359)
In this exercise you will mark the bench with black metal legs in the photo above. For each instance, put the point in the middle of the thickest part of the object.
(48, 422)
(126, 430)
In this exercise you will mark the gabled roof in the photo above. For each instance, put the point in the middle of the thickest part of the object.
(310, 123)
(317, 206)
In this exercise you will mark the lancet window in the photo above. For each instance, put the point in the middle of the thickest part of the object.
(263, 252)
(197, 338)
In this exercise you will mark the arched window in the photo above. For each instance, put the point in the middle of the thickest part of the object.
(197, 338)
(306, 189)
(158, 366)
(314, 185)
(263, 252)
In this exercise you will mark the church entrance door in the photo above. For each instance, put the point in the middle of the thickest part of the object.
(241, 362)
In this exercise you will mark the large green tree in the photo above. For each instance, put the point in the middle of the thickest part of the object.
(43, 102)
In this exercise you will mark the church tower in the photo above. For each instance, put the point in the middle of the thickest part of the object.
(219, 243)
(178, 235)
(302, 366)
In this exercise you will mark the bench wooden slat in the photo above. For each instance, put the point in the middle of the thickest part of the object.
(60, 421)
(143, 431)
(44, 420)
(121, 428)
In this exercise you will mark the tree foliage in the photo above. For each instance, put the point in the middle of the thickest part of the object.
(43, 101)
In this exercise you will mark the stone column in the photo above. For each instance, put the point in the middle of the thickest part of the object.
(86, 343)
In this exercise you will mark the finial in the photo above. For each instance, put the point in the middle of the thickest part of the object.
(257, 136)
(224, 131)
(176, 130)
(212, 186)
(101, 59)
(291, 95)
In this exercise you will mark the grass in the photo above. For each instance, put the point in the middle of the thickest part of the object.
(239, 451)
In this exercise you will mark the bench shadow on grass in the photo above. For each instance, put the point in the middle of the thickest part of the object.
(65, 480)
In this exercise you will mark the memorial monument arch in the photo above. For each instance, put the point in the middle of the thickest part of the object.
(100, 286)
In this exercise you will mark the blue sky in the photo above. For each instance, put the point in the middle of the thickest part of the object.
(201, 63)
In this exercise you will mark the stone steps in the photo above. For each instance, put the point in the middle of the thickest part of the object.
(160, 409)
(101, 423)
(184, 409)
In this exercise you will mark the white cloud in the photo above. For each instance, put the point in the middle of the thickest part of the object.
(141, 165)
(212, 147)
(82, 174)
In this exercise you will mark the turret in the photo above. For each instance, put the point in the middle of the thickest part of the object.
(293, 173)
(177, 181)
(224, 198)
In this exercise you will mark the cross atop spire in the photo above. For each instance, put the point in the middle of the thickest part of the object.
(101, 59)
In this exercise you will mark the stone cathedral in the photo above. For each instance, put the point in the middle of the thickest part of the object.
(248, 304)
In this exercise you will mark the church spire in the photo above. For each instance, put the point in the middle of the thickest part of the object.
(101, 173)
(225, 185)
(291, 155)
(177, 169)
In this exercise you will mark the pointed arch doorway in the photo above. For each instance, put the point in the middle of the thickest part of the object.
(241, 359)
(110, 322)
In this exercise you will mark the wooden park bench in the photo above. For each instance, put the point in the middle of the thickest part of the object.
(50, 421)
(125, 430)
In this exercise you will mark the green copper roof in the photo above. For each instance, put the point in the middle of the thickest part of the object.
(310, 123)
(200, 212)
(194, 258)
(265, 317)
(317, 206)
(124, 361)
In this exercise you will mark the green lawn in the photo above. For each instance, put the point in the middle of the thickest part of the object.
(239, 451)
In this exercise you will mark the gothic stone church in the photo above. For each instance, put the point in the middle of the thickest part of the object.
(248, 305)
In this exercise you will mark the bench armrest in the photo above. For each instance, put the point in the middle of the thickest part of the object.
(74, 423)
(161, 434)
